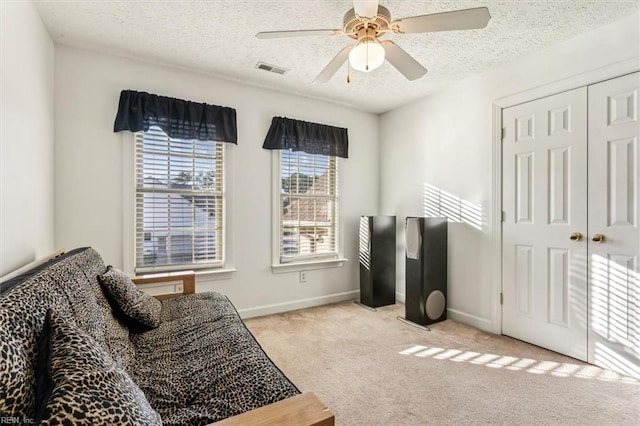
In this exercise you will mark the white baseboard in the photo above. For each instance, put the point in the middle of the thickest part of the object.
(463, 317)
(278, 308)
(469, 319)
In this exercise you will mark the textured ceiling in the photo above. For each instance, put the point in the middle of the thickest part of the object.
(218, 37)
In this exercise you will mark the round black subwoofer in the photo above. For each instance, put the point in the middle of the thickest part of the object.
(435, 305)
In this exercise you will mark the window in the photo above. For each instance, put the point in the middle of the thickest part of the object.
(179, 202)
(308, 206)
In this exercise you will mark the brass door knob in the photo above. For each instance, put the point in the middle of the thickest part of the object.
(575, 236)
(597, 238)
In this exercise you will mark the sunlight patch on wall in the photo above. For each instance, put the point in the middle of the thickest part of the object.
(512, 363)
(363, 245)
(439, 203)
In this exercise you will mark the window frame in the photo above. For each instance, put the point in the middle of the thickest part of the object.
(222, 269)
(303, 263)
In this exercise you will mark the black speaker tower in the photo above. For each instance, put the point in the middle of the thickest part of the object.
(426, 270)
(377, 255)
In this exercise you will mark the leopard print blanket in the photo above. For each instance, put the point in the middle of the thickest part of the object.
(223, 371)
(199, 366)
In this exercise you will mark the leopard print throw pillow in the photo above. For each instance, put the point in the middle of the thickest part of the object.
(135, 304)
(79, 384)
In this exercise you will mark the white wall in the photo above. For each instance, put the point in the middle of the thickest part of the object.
(26, 137)
(445, 140)
(89, 173)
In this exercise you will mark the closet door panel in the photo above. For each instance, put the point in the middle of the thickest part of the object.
(544, 199)
(614, 234)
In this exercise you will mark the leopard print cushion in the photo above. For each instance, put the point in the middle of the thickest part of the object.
(22, 311)
(16, 399)
(135, 304)
(202, 364)
(86, 386)
(69, 284)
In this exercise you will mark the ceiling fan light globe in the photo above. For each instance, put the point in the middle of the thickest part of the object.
(366, 56)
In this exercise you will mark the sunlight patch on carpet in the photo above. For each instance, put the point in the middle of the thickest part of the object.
(511, 363)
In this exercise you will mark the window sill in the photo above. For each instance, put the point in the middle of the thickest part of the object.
(211, 274)
(216, 274)
(283, 268)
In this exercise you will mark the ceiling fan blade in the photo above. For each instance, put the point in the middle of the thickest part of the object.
(297, 33)
(366, 8)
(402, 61)
(466, 19)
(333, 66)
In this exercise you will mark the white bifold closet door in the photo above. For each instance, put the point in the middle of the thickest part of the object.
(614, 234)
(545, 201)
(571, 239)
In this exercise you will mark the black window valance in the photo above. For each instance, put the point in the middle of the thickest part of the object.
(176, 117)
(312, 138)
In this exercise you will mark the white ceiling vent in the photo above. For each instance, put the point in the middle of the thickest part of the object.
(271, 68)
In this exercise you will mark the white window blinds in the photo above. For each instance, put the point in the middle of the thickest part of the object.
(179, 203)
(308, 206)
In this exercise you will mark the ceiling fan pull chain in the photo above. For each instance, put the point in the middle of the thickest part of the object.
(348, 72)
(367, 53)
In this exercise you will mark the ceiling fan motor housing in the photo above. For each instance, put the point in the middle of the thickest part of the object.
(353, 24)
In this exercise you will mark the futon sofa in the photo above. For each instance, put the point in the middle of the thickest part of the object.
(80, 343)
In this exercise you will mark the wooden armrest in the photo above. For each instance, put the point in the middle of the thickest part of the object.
(300, 410)
(186, 279)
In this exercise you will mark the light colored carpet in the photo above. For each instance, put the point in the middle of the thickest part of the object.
(371, 369)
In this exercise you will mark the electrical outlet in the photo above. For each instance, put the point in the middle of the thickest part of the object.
(303, 276)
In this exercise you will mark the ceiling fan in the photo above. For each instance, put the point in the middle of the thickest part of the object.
(368, 21)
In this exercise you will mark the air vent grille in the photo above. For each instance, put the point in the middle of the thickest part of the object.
(271, 68)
